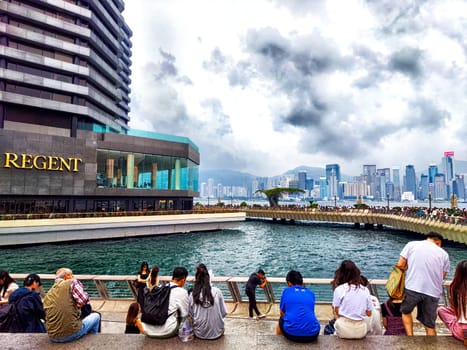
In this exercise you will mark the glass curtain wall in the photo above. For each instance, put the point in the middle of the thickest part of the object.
(145, 171)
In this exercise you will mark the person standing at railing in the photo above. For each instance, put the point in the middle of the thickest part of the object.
(426, 265)
(256, 279)
(153, 279)
(297, 320)
(455, 317)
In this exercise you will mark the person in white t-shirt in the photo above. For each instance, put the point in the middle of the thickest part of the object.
(426, 265)
(455, 317)
(351, 302)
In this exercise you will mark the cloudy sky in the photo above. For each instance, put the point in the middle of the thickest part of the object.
(263, 86)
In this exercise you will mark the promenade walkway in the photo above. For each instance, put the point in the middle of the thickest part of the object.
(451, 230)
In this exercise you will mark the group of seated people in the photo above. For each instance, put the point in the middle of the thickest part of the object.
(65, 313)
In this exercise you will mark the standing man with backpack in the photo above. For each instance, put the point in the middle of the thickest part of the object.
(177, 307)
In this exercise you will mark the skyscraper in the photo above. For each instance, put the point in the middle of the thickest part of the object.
(410, 180)
(369, 174)
(333, 177)
(396, 180)
(302, 180)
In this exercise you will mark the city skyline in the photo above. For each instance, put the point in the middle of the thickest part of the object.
(254, 83)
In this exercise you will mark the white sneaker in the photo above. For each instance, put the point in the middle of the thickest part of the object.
(261, 316)
(253, 318)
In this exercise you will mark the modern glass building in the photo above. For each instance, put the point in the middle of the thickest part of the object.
(65, 143)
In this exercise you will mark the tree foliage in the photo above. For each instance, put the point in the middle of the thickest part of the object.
(273, 194)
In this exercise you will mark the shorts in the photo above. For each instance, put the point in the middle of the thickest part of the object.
(350, 329)
(427, 307)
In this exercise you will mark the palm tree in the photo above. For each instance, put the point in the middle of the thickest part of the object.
(273, 194)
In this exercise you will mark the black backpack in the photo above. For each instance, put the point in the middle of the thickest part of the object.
(155, 309)
(9, 322)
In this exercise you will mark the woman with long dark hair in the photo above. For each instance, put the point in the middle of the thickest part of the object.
(153, 280)
(351, 302)
(133, 323)
(141, 280)
(206, 306)
(7, 286)
(455, 316)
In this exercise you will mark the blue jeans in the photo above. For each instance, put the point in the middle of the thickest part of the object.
(90, 326)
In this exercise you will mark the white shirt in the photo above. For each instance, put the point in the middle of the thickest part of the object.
(178, 301)
(426, 263)
(353, 301)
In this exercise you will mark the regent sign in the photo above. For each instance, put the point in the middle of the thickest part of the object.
(41, 162)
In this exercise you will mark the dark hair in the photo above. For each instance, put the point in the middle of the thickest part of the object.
(179, 273)
(261, 271)
(458, 289)
(132, 313)
(30, 279)
(143, 265)
(154, 274)
(295, 278)
(347, 272)
(7, 280)
(435, 235)
(202, 294)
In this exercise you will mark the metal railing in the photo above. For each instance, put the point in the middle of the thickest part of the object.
(121, 287)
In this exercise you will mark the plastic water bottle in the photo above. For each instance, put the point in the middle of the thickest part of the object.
(185, 333)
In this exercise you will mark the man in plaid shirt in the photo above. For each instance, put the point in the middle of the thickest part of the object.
(63, 304)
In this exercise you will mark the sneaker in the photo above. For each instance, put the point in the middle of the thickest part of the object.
(261, 316)
(253, 318)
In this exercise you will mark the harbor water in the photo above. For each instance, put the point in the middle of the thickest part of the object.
(314, 249)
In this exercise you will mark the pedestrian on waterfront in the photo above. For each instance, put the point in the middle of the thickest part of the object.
(153, 279)
(29, 307)
(351, 302)
(141, 280)
(62, 306)
(392, 317)
(7, 286)
(426, 265)
(455, 316)
(206, 306)
(256, 279)
(133, 323)
(297, 320)
(178, 307)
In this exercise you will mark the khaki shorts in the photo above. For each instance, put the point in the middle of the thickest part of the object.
(350, 329)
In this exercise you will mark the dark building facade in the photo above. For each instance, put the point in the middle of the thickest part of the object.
(65, 144)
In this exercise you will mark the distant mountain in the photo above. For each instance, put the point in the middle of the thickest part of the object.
(237, 178)
(226, 177)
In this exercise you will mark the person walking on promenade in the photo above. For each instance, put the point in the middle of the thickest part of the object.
(256, 279)
(351, 302)
(426, 265)
(141, 280)
(297, 320)
(178, 307)
(29, 307)
(133, 323)
(455, 317)
(206, 306)
(62, 306)
(7, 286)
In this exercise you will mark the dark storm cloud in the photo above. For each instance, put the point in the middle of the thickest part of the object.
(407, 61)
(425, 115)
(269, 43)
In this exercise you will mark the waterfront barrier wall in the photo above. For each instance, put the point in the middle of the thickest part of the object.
(28, 232)
(452, 231)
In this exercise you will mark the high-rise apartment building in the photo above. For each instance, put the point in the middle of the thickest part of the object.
(396, 180)
(333, 177)
(302, 180)
(65, 144)
(369, 176)
(410, 180)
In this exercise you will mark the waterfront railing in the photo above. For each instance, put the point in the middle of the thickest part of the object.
(121, 287)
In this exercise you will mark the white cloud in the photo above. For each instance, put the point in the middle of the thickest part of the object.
(267, 85)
